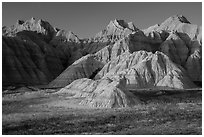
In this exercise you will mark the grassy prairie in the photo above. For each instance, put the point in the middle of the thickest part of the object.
(44, 113)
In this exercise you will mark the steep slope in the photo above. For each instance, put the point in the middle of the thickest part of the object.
(40, 52)
(85, 67)
(139, 70)
(175, 48)
(30, 57)
(65, 36)
(115, 30)
(68, 45)
(145, 70)
(25, 62)
(180, 29)
(133, 42)
(170, 43)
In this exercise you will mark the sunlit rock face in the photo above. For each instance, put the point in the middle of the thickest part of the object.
(147, 70)
(103, 93)
(183, 45)
(40, 26)
(129, 71)
(36, 53)
(133, 42)
(85, 67)
(115, 30)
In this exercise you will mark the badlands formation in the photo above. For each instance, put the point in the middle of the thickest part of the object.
(104, 68)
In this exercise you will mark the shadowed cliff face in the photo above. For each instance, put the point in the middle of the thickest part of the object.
(30, 54)
(29, 62)
(36, 53)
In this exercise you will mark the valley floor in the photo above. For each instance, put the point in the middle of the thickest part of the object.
(43, 112)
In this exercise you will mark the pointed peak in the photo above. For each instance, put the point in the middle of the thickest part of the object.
(65, 32)
(68, 35)
(130, 23)
(40, 21)
(182, 18)
(132, 26)
(121, 23)
(179, 18)
(20, 22)
(32, 18)
(117, 23)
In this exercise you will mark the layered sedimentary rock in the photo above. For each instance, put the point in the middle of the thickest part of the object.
(190, 34)
(40, 26)
(168, 42)
(34, 52)
(147, 70)
(115, 30)
(25, 62)
(85, 67)
(101, 41)
(68, 45)
(105, 93)
(175, 48)
(133, 42)
(129, 71)
(66, 36)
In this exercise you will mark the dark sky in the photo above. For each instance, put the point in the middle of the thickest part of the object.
(86, 19)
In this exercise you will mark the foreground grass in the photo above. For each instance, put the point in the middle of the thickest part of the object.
(164, 114)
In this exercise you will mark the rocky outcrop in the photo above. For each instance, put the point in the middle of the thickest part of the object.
(139, 70)
(40, 26)
(115, 30)
(68, 45)
(85, 67)
(175, 48)
(168, 42)
(104, 93)
(116, 27)
(34, 52)
(183, 45)
(178, 23)
(66, 36)
(173, 22)
(91, 47)
(147, 70)
(133, 42)
(194, 65)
